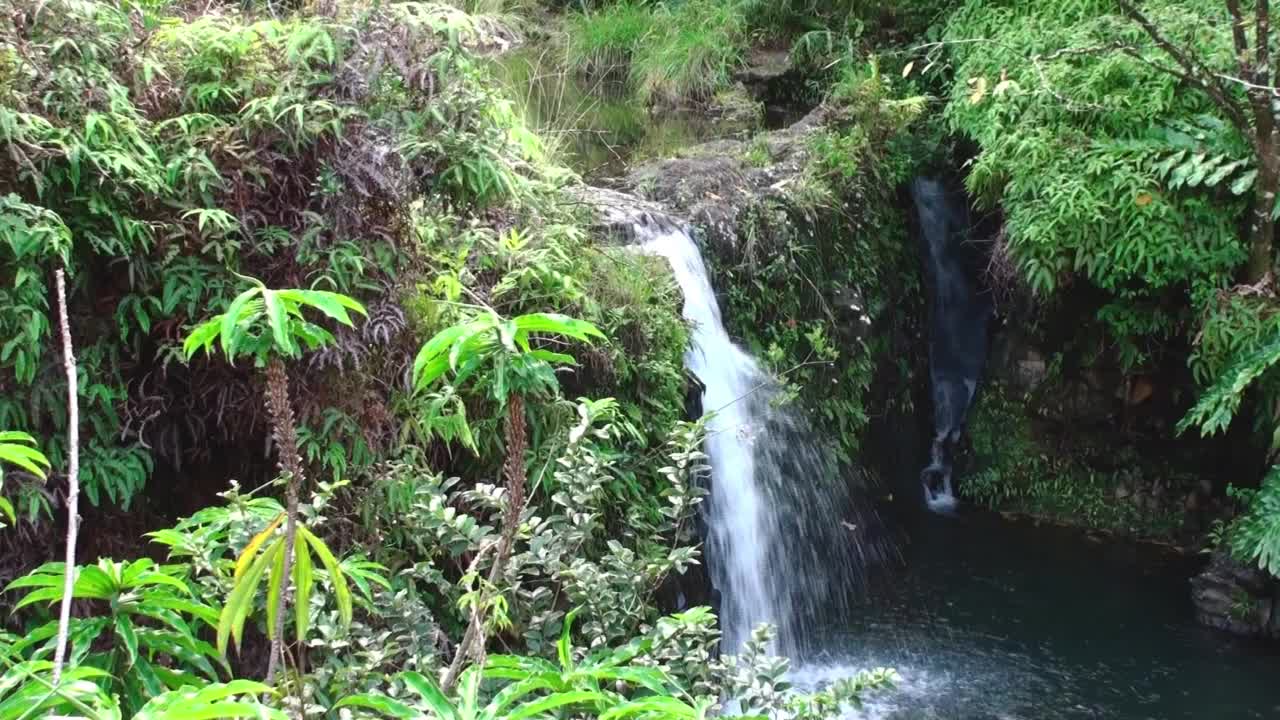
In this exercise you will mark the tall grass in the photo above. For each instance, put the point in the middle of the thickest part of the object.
(700, 44)
(685, 50)
(671, 52)
(603, 42)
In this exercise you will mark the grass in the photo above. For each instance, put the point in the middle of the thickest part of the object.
(700, 44)
(603, 42)
(671, 54)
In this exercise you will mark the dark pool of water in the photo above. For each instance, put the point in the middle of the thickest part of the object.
(991, 620)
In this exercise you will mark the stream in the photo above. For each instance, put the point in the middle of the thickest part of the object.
(984, 619)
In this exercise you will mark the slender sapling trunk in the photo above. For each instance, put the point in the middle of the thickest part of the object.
(473, 639)
(73, 479)
(290, 462)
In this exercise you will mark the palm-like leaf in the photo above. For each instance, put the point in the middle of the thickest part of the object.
(153, 615)
(262, 559)
(27, 690)
(260, 321)
(236, 699)
(1217, 407)
(488, 339)
(18, 448)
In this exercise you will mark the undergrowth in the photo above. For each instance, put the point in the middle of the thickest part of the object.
(822, 281)
(1018, 467)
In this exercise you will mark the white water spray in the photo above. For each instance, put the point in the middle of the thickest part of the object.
(741, 525)
(780, 546)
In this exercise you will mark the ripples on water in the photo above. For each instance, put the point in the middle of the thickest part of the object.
(991, 621)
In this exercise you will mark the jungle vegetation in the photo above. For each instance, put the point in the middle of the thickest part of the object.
(370, 424)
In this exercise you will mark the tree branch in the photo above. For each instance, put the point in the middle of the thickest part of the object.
(1262, 42)
(1238, 36)
(73, 479)
(1192, 70)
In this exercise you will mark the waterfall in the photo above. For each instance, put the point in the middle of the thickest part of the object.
(958, 317)
(779, 547)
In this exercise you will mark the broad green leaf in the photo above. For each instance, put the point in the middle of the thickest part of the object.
(557, 324)
(231, 319)
(275, 585)
(553, 358)
(202, 337)
(517, 691)
(665, 707)
(551, 702)
(278, 322)
(341, 593)
(431, 694)
(334, 305)
(1244, 183)
(564, 646)
(303, 580)
(240, 601)
(27, 458)
(127, 635)
(251, 550)
(380, 703)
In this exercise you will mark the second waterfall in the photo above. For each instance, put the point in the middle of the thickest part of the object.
(783, 546)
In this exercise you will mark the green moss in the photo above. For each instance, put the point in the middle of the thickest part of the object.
(1024, 468)
(823, 283)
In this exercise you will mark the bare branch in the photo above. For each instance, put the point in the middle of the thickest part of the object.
(1249, 85)
(1192, 69)
(73, 479)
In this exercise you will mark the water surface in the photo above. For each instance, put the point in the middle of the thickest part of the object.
(990, 620)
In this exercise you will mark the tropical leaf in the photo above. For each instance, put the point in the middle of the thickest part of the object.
(261, 320)
(236, 699)
(18, 448)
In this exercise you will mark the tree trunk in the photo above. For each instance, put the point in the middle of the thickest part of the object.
(473, 639)
(1262, 225)
(290, 462)
(514, 469)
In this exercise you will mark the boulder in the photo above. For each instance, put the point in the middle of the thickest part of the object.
(1236, 598)
(712, 184)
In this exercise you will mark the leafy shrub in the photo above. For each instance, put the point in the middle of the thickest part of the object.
(513, 687)
(1106, 170)
(152, 632)
(1255, 535)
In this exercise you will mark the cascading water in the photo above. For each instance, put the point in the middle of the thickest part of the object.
(779, 548)
(959, 314)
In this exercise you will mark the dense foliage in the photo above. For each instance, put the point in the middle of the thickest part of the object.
(823, 283)
(684, 52)
(358, 166)
(351, 359)
(1116, 143)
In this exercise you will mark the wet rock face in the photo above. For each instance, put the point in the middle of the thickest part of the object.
(1238, 599)
(713, 184)
(618, 215)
